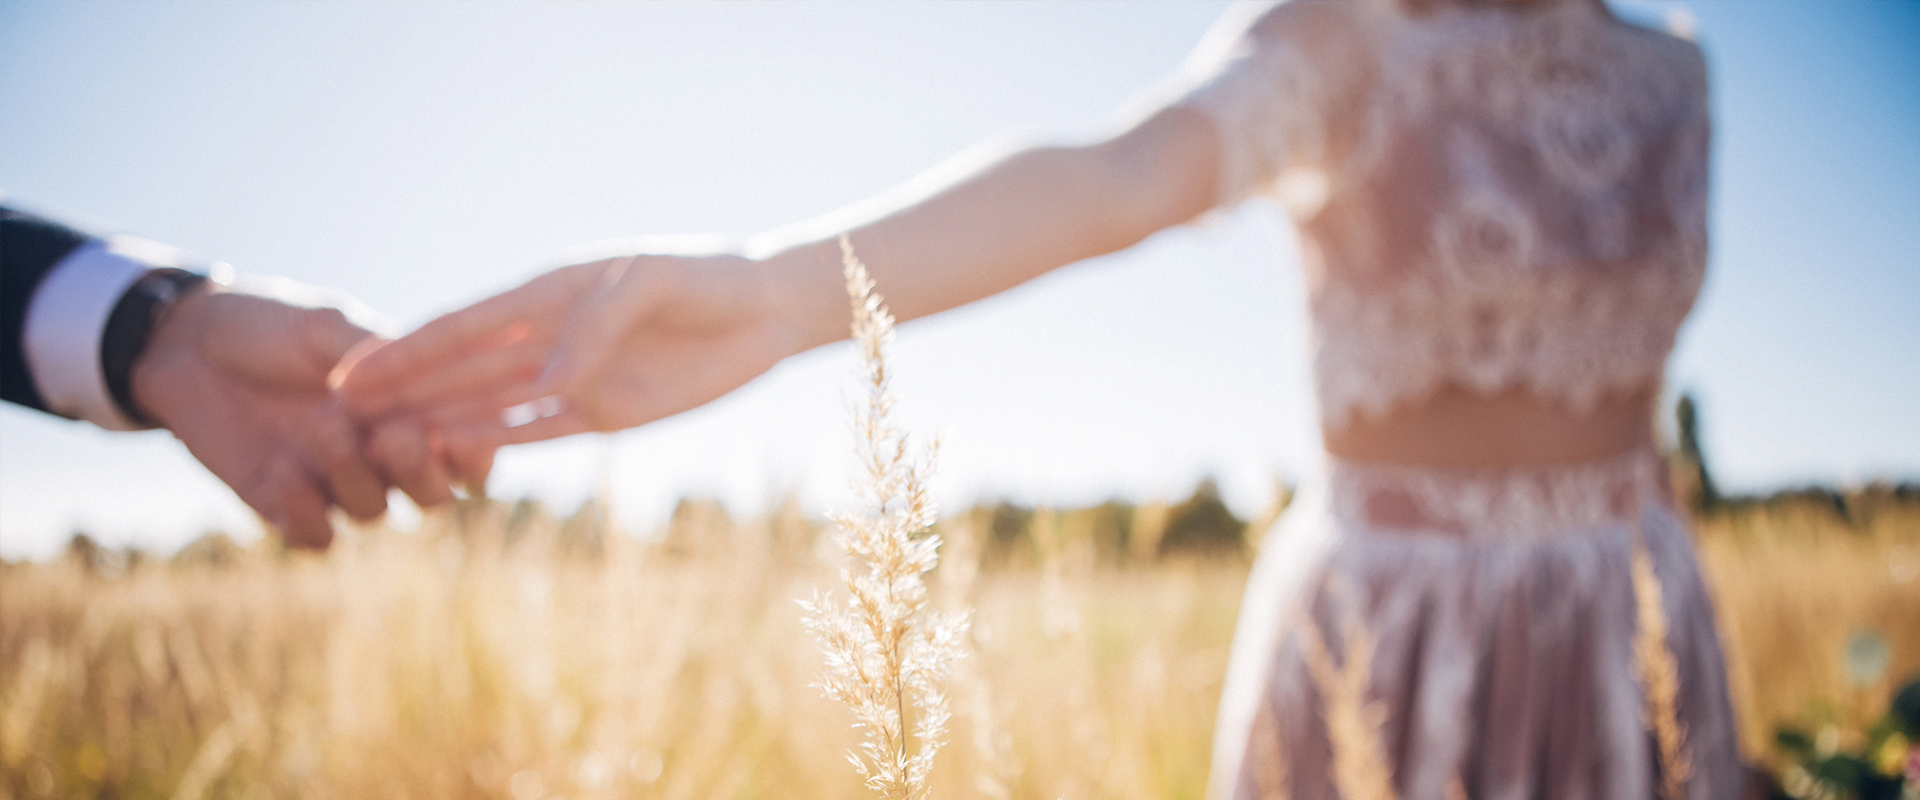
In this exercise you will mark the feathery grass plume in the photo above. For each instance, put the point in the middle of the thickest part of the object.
(1659, 674)
(1353, 724)
(886, 651)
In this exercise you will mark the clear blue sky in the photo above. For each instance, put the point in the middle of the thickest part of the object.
(423, 155)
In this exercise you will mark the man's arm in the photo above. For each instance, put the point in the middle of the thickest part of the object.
(115, 333)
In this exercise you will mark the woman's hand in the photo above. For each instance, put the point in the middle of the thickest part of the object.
(597, 346)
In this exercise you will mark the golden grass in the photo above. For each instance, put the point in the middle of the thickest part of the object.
(447, 663)
(498, 653)
(1793, 580)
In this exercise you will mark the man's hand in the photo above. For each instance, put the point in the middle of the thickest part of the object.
(242, 381)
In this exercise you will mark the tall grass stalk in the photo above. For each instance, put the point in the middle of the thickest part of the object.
(1354, 723)
(1659, 674)
(887, 653)
(1270, 772)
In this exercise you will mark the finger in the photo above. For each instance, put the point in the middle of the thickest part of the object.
(333, 442)
(498, 433)
(391, 377)
(446, 337)
(472, 463)
(509, 369)
(517, 404)
(297, 506)
(405, 452)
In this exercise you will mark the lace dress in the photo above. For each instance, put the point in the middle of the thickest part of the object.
(1494, 196)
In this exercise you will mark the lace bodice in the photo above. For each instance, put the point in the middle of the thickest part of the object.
(1492, 195)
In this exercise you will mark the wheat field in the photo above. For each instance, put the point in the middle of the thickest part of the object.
(500, 652)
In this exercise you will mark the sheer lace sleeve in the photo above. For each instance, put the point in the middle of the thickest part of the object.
(1263, 92)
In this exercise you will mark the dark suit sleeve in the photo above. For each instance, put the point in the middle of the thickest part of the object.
(29, 249)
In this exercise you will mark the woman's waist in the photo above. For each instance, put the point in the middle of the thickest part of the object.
(1517, 501)
(1455, 427)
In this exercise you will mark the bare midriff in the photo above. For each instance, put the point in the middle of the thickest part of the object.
(1460, 428)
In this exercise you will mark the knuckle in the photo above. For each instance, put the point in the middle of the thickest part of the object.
(294, 507)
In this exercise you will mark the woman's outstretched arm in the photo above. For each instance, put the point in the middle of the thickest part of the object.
(993, 218)
(618, 342)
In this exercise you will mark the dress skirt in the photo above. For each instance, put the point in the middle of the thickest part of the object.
(1420, 633)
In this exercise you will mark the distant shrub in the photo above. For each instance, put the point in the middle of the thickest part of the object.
(1203, 526)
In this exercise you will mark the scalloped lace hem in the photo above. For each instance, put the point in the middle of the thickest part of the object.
(1513, 502)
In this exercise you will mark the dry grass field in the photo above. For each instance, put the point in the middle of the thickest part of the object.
(498, 652)
(1797, 581)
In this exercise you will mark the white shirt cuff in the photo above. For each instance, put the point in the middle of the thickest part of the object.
(69, 313)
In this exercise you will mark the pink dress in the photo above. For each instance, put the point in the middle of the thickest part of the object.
(1497, 196)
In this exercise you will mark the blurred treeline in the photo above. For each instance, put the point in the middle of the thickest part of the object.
(1115, 533)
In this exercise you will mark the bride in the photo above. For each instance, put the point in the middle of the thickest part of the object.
(1502, 206)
